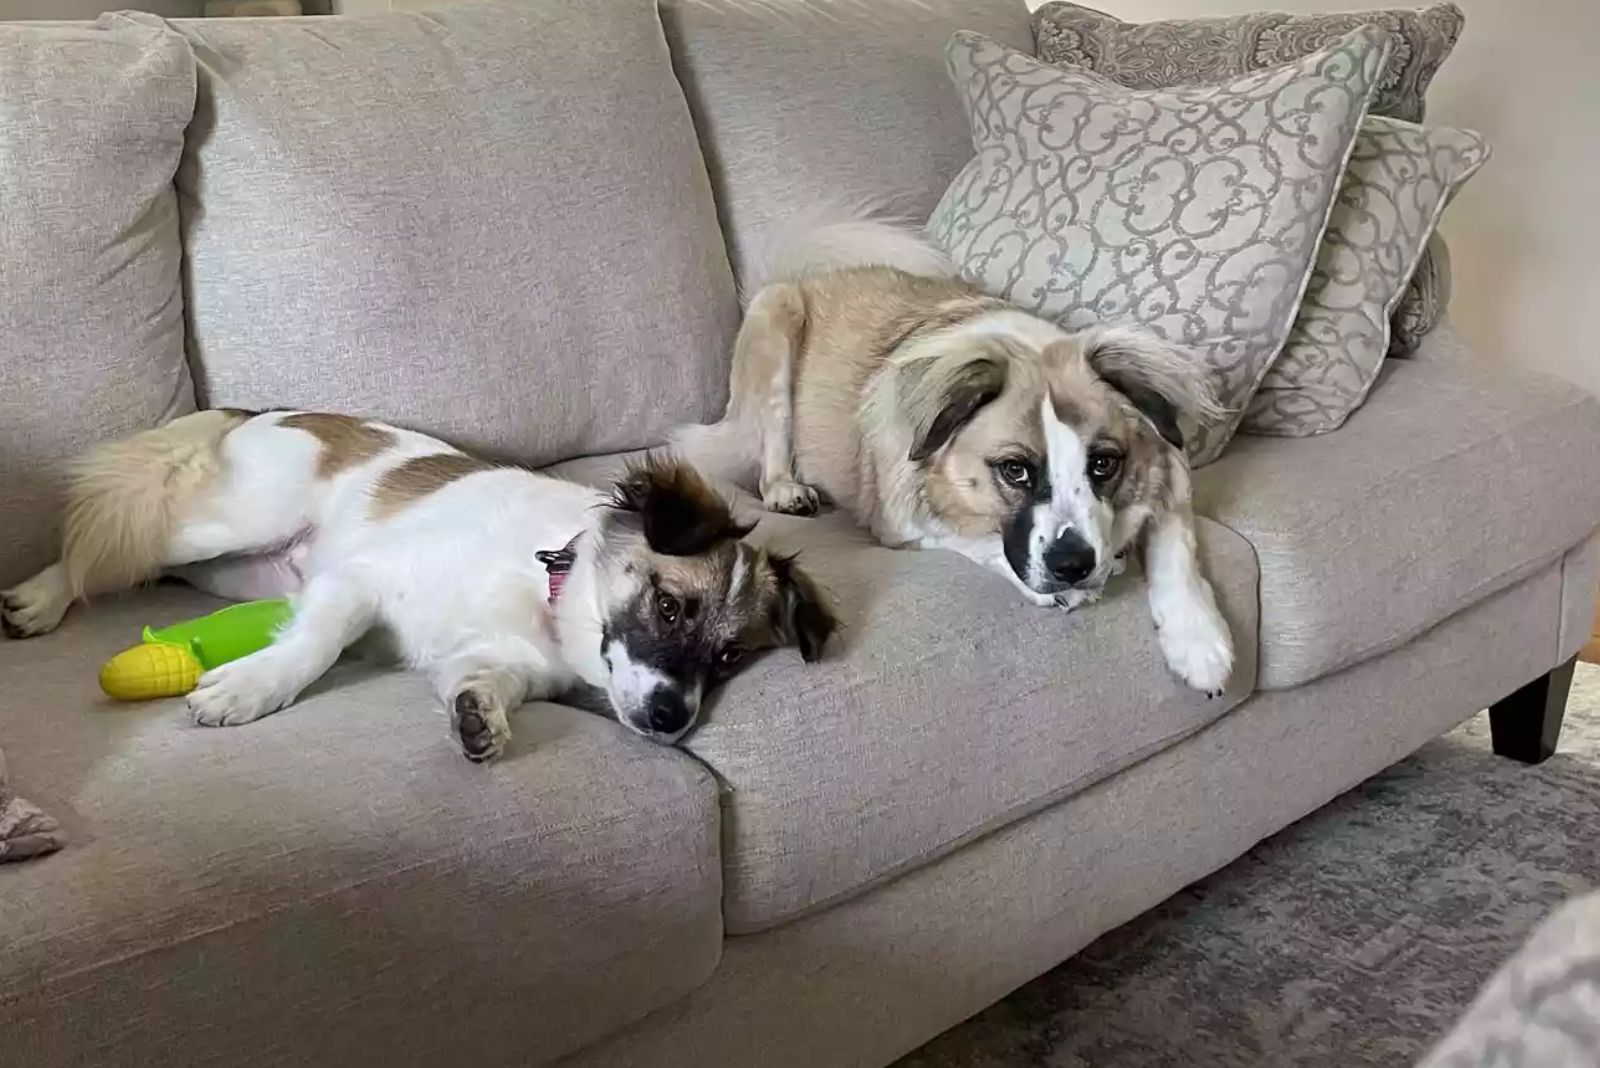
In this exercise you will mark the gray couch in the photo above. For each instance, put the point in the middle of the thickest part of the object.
(526, 237)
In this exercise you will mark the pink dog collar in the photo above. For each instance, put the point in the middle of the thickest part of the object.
(557, 563)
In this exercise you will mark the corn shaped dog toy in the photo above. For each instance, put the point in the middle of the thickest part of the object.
(171, 660)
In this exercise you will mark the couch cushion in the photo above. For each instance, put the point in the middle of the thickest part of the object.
(946, 709)
(91, 310)
(1455, 480)
(804, 101)
(490, 222)
(334, 884)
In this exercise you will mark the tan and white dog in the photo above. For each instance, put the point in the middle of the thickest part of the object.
(868, 373)
(501, 584)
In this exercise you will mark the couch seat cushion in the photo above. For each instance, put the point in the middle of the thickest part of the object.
(1455, 480)
(336, 879)
(946, 709)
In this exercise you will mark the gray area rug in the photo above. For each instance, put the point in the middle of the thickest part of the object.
(1355, 937)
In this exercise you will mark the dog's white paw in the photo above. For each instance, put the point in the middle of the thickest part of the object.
(238, 693)
(790, 497)
(36, 606)
(479, 723)
(1198, 647)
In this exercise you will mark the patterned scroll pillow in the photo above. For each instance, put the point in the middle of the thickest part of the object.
(1398, 181)
(1193, 212)
(1199, 51)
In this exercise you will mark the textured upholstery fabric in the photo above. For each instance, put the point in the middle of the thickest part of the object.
(91, 309)
(873, 977)
(941, 677)
(1194, 213)
(1542, 1008)
(1201, 51)
(1453, 480)
(1399, 179)
(490, 222)
(801, 101)
(335, 884)
(1197, 51)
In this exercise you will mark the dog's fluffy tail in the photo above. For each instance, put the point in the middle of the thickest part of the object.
(838, 235)
(124, 499)
(726, 452)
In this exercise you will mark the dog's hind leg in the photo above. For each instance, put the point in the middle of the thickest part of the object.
(123, 503)
(334, 610)
(762, 392)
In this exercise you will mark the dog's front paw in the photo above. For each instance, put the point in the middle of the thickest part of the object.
(791, 497)
(238, 693)
(478, 721)
(1198, 647)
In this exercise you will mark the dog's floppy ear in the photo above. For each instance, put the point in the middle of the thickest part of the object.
(804, 615)
(677, 511)
(940, 395)
(1163, 382)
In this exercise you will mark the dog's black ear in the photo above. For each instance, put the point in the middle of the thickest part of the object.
(677, 511)
(804, 616)
(1162, 413)
(940, 396)
(1163, 382)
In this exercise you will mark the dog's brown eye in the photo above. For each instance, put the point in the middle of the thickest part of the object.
(1015, 472)
(1103, 466)
(667, 607)
(731, 656)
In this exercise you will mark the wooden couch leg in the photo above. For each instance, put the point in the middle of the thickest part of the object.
(1525, 725)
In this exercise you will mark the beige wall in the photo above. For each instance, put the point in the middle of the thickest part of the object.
(1525, 232)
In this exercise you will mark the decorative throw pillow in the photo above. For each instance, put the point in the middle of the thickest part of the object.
(1202, 51)
(1199, 51)
(1396, 185)
(1426, 298)
(1192, 212)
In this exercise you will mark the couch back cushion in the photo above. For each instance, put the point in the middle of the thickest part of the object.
(800, 102)
(490, 222)
(91, 309)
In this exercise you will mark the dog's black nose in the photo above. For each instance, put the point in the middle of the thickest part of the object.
(1070, 559)
(669, 714)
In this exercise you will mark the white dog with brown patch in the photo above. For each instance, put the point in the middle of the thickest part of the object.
(866, 372)
(501, 584)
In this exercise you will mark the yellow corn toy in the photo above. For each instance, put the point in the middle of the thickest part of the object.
(172, 659)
